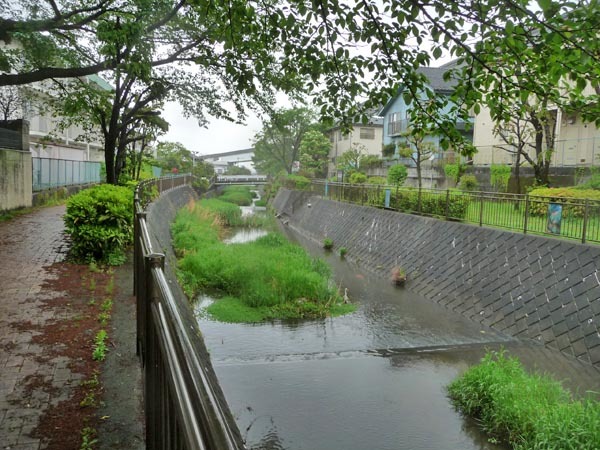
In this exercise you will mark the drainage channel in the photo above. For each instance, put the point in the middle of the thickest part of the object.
(374, 379)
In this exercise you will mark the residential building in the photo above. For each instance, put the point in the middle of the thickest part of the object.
(396, 113)
(368, 137)
(577, 143)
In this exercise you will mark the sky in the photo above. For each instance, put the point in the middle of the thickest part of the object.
(218, 137)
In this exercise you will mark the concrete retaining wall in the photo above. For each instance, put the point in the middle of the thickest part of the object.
(15, 179)
(532, 287)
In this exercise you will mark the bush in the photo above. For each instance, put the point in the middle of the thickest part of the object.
(529, 411)
(407, 200)
(358, 178)
(468, 183)
(592, 183)
(397, 174)
(377, 180)
(100, 223)
(499, 177)
(571, 199)
(453, 171)
(296, 182)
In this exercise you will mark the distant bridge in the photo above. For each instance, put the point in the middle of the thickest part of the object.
(241, 179)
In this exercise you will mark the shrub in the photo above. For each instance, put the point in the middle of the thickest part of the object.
(431, 204)
(571, 199)
(397, 174)
(499, 177)
(453, 171)
(377, 180)
(100, 223)
(296, 182)
(358, 178)
(388, 150)
(529, 411)
(468, 183)
(592, 183)
(327, 244)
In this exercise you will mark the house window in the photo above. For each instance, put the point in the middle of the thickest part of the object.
(395, 124)
(367, 133)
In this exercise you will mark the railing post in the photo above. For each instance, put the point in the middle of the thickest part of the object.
(585, 217)
(480, 209)
(526, 214)
(151, 354)
(447, 204)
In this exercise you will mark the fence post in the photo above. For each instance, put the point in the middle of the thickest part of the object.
(480, 209)
(526, 214)
(584, 226)
(447, 204)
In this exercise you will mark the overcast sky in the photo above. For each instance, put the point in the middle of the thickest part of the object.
(220, 135)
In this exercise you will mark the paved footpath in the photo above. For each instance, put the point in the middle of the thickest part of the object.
(28, 244)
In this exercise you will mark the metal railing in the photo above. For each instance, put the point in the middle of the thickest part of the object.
(181, 403)
(572, 218)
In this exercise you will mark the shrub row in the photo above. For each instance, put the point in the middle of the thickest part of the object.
(431, 204)
(570, 198)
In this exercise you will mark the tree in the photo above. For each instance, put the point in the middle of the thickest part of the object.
(277, 145)
(174, 155)
(312, 48)
(351, 159)
(11, 103)
(314, 151)
(397, 174)
(238, 170)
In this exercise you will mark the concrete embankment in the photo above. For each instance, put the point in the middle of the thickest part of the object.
(538, 288)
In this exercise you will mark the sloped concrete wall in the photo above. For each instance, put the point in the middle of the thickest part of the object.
(527, 286)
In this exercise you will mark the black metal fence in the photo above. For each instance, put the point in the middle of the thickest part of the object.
(181, 405)
(573, 218)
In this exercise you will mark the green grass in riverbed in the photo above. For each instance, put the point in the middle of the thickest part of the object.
(271, 275)
(531, 412)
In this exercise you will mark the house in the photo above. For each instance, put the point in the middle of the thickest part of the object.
(396, 113)
(577, 143)
(368, 137)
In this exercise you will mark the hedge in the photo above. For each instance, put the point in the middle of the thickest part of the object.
(572, 200)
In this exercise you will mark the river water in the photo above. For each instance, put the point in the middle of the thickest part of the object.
(374, 379)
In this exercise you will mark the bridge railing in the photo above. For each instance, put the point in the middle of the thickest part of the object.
(181, 404)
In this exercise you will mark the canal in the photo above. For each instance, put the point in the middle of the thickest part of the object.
(374, 379)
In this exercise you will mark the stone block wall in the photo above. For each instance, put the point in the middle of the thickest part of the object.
(531, 287)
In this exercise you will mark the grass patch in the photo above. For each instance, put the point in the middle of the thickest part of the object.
(530, 411)
(260, 202)
(276, 278)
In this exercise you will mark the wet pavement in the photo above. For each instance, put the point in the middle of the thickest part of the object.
(33, 380)
(28, 244)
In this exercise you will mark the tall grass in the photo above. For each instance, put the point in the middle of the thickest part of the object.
(270, 274)
(530, 411)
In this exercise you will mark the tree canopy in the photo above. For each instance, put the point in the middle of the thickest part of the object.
(277, 145)
(350, 57)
